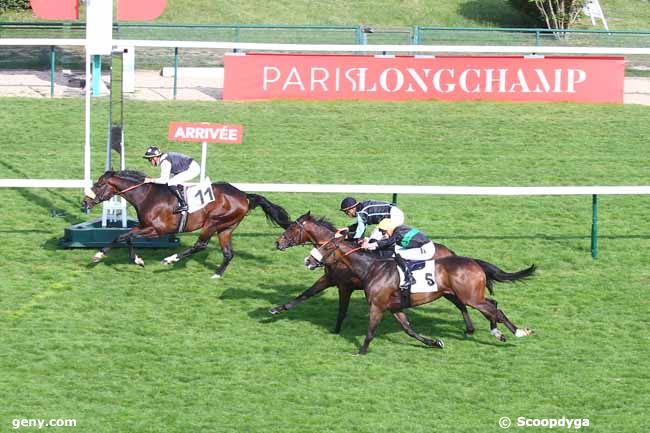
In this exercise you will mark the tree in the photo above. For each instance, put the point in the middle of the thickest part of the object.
(560, 14)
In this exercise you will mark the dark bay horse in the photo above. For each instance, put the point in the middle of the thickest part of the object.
(155, 204)
(309, 230)
(461, 276)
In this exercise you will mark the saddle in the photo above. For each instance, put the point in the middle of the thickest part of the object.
(415, 265)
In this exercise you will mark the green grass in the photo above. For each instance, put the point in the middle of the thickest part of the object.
(621, 14)
(120, 348)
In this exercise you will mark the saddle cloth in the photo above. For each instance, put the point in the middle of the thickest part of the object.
(425, 277)
(198, 195)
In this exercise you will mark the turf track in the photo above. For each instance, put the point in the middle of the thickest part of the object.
(125, 349)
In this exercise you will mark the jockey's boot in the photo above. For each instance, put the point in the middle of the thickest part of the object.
(405, 288)
(408, 275)
(178, 192)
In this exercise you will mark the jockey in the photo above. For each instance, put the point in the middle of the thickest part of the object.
(174, 169)
(408, 244)
(368, 212)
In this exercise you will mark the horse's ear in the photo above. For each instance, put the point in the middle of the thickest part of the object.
(308, 213)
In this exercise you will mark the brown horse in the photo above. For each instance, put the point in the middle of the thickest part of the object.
(308, 229)
(462, 277)
(155, 204)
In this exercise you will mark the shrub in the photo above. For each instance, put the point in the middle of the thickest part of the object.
(14, 5)
(529, 8)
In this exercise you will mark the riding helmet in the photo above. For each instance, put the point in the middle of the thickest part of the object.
(152, 152)
(348, 203)
(386, 225)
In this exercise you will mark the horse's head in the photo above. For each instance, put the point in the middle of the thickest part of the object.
(110, 184)
(294, 234)
(101, 191)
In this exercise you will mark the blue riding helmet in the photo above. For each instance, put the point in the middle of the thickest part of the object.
(152, 152)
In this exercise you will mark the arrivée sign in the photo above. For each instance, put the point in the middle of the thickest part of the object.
(450, 78)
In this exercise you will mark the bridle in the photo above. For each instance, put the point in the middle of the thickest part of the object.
(96, 199)
(321, 261)
(304, 236)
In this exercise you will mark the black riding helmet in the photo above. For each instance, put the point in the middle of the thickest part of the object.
(348, 203)
(152, 152)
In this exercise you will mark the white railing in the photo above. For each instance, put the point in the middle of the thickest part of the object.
(377, 189)
(428, 49)
(42, 183)
(594, 191)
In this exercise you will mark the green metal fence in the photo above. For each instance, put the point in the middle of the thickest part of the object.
(25, 57)
(536, 37)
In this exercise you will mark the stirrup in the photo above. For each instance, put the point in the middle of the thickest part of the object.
(407, 283)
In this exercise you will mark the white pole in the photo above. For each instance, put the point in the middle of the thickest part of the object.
(87, 179)
(204, 156)
(99, 41)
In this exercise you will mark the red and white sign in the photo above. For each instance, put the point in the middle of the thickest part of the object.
(388, 78)
(205, 132)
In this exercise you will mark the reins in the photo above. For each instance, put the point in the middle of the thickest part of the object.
(130, 188)
(353, 250)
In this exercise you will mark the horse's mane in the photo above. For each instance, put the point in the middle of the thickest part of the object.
(134, 175)
(323, 222)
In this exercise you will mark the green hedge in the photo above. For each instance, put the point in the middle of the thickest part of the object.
(14, 4)
(529, 8)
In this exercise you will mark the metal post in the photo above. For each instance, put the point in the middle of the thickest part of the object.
(175, 69)
(52, 70)
(594, 226)
(394, 198)
(537, 38)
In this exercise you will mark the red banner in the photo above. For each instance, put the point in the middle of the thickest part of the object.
(127, 10)
(388, 78)
(55, 9)
(140, 10)
(205, 132)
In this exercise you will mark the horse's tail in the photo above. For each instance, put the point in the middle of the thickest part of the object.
(493, 273)
(274, 213)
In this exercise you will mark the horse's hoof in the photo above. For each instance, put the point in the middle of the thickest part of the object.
(469, 332)
(138, 261)
(526, 332)
(98, 257)
(169, 260)
(215, 276)
(277, 310)
(498, 334)
(438, 343)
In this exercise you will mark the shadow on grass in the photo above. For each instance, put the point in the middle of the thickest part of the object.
(41, 198)
(537, 236)
(322, 312)
(24, 231)
(492, 11)
(209, 259)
